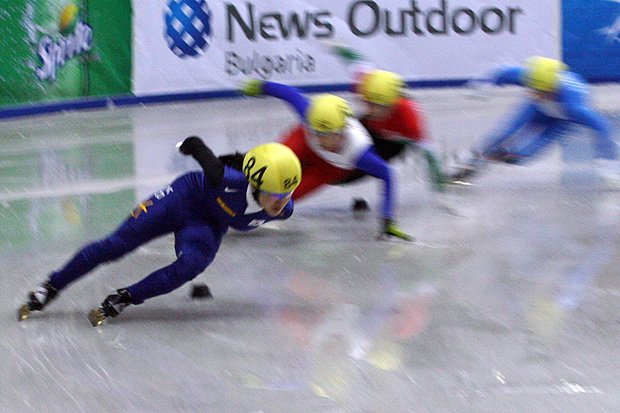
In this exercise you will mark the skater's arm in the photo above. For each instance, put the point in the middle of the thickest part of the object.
(289, 94)
(580, 113)
(373, 165)
(480, 87)
(506, 75)
(409, 124)
(234, 160)
(585, 116)
(512, 75)
(357, 65)
(212, 166)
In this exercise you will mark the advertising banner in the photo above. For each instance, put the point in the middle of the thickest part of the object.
(198, 45)
(57, 49)
(591, 38)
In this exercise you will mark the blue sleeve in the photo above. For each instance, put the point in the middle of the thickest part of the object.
(573, 97)
(289, 94)
(584, 115)
(512, 75)
(371, 163)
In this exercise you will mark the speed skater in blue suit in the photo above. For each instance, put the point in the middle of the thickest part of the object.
(557, 103)
(198, 208)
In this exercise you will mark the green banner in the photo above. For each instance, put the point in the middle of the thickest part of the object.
(52, 50)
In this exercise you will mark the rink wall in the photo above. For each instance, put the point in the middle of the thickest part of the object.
(72, 54)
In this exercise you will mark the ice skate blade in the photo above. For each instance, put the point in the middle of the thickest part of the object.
(96, 317)
(394, 238)
(458, 182)
(23, 313)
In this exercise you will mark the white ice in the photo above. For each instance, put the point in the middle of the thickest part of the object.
(507, 301)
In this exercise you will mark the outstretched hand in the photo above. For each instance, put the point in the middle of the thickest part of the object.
(189, 145)
(346, 53)
(252, 87)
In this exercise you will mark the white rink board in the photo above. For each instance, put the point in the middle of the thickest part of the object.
(438, 40)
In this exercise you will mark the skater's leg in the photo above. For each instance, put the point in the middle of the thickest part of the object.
(195, 247)
(192, 259)
(525, 117)
(353, 176)
(435, 171)
(388, 149)
(525, 124)
(385, 149)
(151, 219)
(527, 149)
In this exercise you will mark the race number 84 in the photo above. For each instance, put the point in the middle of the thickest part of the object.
(254, 176)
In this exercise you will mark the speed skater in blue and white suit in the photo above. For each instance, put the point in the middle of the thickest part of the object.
(198, 207)
(557, 102)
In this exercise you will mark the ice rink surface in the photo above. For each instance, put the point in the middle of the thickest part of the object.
(508, 300)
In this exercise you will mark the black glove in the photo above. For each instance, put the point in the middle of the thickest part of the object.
(233, 160)
(190, 145)
(211, 165)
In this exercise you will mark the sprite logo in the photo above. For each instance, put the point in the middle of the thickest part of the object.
(74, 39)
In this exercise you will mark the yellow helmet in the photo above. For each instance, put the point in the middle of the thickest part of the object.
(328, 113)
(543, 73)
(272, 167)
(381, 87)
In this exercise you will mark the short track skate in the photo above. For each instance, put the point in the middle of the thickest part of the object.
(37, 300)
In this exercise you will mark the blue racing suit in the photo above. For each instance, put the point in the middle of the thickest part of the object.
(198, 212)
(537, 123)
